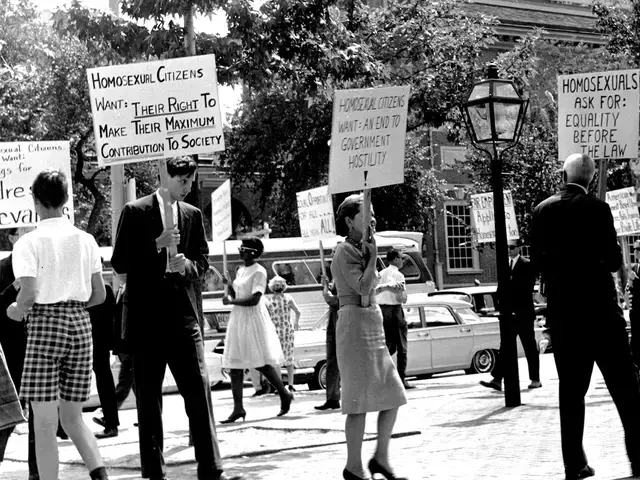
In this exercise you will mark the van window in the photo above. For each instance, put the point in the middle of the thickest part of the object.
(409, 268)
(301, 272)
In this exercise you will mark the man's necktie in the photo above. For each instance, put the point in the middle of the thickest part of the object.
(511, 264)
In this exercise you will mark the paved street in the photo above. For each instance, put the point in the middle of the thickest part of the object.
(452, 428)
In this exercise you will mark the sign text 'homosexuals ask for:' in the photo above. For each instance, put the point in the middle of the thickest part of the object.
(598, 114)
(160, 109)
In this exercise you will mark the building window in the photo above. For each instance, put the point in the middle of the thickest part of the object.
(451, 156)
(461, 256)
(628, 254)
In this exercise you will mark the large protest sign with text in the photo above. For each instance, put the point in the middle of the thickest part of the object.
(598, 114)
(221, 222)
(624, 208)
(367, 138)
(315, 212)
(483, 220)
(152, 110)
(21, 163)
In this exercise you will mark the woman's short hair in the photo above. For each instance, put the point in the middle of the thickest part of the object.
(184, 165)
(254, 243)
(277, 280)
(349, 208)
(50, 188)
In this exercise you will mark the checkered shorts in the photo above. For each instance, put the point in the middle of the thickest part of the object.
(59, 353)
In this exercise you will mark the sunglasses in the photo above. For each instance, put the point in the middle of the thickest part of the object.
(513, 247)
(636, 249)
(246, 249)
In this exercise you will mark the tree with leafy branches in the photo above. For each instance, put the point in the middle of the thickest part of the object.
(296, 54)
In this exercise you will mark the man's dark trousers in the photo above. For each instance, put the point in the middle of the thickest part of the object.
(333, 373)
(177, 343)
(521, 326)
(575, 351)
(395, 332)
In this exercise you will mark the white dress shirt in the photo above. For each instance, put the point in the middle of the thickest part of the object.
(174, 208)
(389, 274)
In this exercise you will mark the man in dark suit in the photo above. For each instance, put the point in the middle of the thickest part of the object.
(574, 246)
(161, 325)
(522, 279)
(633, 287)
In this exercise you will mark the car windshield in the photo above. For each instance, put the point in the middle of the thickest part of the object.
(467, 315)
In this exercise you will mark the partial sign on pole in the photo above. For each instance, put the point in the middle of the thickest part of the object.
(368, 138)
(482, 217)
(152, 110)
(221, 224)
(315, 212)
(624, 209)
(21, 163)
(598, 114)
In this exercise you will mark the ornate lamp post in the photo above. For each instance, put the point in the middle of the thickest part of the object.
(494, 113)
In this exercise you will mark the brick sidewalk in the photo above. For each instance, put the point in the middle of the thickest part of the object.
(457, 430)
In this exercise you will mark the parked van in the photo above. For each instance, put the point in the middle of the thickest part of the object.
(298, 262)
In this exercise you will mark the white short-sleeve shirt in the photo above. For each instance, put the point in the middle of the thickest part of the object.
(61, 257)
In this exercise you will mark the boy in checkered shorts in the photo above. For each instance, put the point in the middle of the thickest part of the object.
(59, 270)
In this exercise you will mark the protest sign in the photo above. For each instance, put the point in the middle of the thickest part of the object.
(624, 208)
(598, 114)
(367, 138)
(315, 212)
(21, 163)
(221, 224)
(153, 110)
(482, 218)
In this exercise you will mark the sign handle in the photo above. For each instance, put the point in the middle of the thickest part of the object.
(323, 266)
(224, 266)
(166, 201)
(366, 230)
(602, 178)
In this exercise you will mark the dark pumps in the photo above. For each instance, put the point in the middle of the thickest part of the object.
(285, 404)
(347, 475)
(375, 467)
(235, 416)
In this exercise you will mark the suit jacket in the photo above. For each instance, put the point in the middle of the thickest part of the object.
(575, 248)
(522, 279)
(135, 254)
(10, 330)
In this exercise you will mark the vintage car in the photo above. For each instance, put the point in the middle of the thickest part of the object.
(214, 369)
(483, 299)
(444, 335)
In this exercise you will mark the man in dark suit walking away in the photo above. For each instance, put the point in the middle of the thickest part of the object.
(522, 279)
(161, 324)
(583, 313)
(633, 287)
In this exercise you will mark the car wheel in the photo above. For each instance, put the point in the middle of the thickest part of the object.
(483, 362)
(319, 380)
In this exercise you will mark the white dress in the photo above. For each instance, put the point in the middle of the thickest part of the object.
(251, 340)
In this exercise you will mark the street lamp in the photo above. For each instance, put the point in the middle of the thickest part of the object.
(494, 113)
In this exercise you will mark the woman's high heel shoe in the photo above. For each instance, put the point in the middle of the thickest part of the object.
(375, 467)
(347, 475)
(235, 416)
(285, 404)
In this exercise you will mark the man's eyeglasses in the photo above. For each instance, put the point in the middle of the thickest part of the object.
(513, 247)
(242, 248)
(636, 249)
